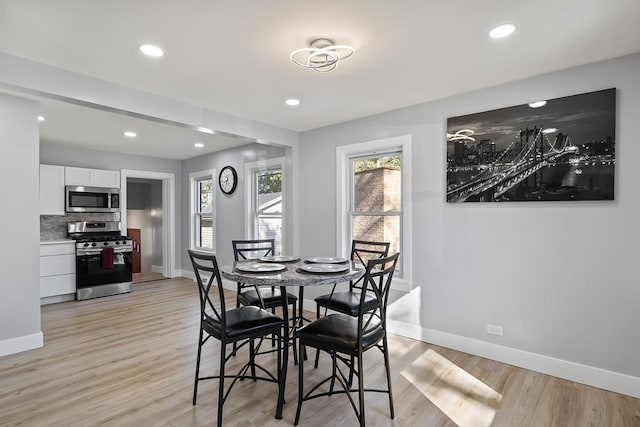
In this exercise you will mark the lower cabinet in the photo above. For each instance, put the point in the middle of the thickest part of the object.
(57, 270)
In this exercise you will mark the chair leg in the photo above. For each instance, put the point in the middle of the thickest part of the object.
(195, 384)
(315, 365)
(385, 351)
(235, 347)
(300, 382)
(361, 389)
(350, 373)
(252, 358)
(221, 387)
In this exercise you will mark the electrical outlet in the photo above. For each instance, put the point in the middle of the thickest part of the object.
(494, 329)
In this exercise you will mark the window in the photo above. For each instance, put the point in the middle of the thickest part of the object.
(373, 199)
(202, 209)
(376, 200)
(265, 189)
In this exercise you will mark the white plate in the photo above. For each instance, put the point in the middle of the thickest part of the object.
(324, 268)
(326, 260)
(279, 258)
(259, 267)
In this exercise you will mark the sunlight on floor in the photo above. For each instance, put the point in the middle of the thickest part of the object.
(466, 400)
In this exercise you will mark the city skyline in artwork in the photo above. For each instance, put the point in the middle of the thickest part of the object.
(556, 149)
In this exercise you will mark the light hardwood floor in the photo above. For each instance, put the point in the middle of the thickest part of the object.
(128, 360)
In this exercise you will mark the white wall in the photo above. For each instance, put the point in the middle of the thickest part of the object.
(561, 278)
(19, 226)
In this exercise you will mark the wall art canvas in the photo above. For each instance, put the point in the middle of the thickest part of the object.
(548, 150)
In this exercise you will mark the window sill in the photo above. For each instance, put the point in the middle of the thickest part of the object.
(401, 285)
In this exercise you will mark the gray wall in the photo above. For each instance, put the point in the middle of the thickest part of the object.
(229, 210)
(19, 225)
(57, 154)
(561, 278)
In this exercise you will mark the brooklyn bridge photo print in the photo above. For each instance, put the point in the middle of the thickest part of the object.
(555, 149)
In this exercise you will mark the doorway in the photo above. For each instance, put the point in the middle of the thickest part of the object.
(147, 202)
(144, 218)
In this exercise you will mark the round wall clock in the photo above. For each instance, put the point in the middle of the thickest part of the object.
(228, 180)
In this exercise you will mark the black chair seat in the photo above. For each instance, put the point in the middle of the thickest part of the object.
(346, 302)
(244, 322)
(271, 297)
(338, 332)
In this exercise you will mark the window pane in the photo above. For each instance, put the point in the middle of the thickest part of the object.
(205, 195)
(271, 228)
(269, 185)
(268, 200)
(378, 228)
(377, 184)
(204, 230)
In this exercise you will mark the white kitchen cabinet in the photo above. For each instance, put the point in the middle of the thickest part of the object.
(57, 269)
(92, 177)
(52, 190)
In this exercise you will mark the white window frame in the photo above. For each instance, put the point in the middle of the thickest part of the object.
(344, 155)
(250, 214)
(194, 177)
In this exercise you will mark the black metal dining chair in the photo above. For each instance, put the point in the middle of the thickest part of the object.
(240, 326)
(267, 298)
(348, 302)
(346, 338)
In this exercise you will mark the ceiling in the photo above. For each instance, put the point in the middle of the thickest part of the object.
(233, 56)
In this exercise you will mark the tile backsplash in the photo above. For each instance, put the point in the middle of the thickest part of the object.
(54, 227)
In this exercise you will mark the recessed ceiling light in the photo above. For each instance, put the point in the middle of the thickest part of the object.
(198, 145)
(41, 118)
(205, 130)
(292, 102)
(537, 104)
(130, 134)
(502, 31)
(151, 50)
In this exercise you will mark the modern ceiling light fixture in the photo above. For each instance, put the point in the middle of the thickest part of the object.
(151, 50)
(322, 55)
(502, 31)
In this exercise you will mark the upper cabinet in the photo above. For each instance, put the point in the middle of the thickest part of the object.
(51, 190)
(92, 177)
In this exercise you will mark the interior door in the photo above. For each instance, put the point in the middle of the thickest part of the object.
(134, 233)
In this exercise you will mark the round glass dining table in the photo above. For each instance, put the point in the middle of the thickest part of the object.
(299, 273)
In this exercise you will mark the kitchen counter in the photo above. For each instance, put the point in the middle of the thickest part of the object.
(56, 242)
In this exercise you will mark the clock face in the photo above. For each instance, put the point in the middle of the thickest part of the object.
(228, 180)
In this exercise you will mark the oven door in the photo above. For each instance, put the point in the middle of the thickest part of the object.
(93, 280)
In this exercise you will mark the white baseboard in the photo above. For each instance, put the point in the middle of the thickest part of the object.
(589, 375)
(157, 269)
(19, 344)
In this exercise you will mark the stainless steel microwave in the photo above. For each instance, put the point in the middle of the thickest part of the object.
(91, 199)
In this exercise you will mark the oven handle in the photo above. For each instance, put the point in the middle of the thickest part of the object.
(99, 251)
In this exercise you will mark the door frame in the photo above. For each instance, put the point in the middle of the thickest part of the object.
(168, 213)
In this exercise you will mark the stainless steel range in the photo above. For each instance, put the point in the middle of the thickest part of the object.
(103, 259)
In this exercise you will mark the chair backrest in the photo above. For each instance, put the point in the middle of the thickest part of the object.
(376, 283)
(251, 249)
(207, 274)
(364, 250)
